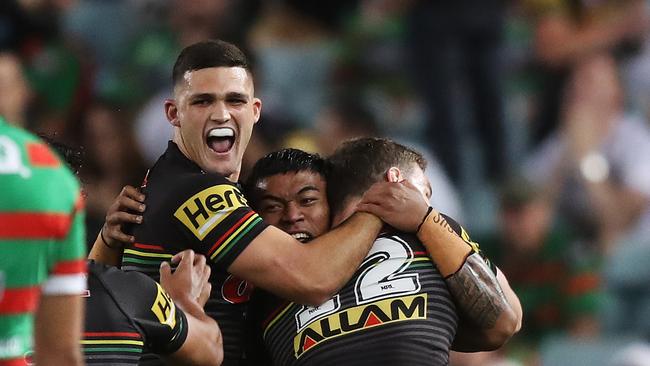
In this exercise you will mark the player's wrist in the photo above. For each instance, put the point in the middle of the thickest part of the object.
(113, 245)
(424, 218)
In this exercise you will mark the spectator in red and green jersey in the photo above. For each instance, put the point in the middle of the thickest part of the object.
(556, 280)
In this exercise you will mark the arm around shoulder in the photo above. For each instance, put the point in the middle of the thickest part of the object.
(308, 273)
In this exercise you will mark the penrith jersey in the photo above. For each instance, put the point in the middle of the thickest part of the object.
(187, 208)
(128, 314)
(396, 310)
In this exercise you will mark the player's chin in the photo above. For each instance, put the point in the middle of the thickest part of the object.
(223, 165)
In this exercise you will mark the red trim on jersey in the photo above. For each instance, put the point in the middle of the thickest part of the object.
(227, 233)
(420, 253)
(41, 156)
(19, 300)
(275, 312)
(148, 246)
(14, 362)
(113, 334)
(33, 225)
(70, 267)
(80, 203)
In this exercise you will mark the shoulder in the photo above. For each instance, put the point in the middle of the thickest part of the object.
(113, 277)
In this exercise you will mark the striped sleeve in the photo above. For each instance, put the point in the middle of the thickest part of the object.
(220, 222)
(67, 276)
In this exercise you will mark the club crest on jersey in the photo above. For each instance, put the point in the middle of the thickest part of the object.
(206, 209)
(164, 309)
(358, 318)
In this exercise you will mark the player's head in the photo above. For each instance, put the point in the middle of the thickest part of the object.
(358, 164)
(214, 108)
(288, 189)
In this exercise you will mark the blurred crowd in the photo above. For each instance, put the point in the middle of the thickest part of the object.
(533, 115)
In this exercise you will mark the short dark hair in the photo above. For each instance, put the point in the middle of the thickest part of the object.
(358, 164)
(73, 157)
(281, 162)
(210, 53)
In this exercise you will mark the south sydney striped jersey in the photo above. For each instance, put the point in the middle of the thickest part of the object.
(189, 209)
(42, 245)
(396, 310)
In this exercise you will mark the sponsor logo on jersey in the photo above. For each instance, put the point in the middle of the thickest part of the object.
(11, 161)
(358, 318)
(164, 309)
(12, 347)
(205, 210)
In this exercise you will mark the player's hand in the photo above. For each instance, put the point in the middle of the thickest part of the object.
(190, 279)
(399, 204)
(129, 199)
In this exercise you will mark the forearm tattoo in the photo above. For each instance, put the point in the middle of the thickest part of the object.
(440, 220)
(477, 292)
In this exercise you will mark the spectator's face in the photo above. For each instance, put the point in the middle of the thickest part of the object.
(296, 203)
(213, 113)
(524, 228)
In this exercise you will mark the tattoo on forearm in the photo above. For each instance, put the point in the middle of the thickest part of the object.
(477, 293)
(440, 220)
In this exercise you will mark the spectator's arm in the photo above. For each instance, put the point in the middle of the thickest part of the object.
(559, 40)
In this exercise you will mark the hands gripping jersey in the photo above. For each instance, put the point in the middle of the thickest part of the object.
(42, 239)
(396, 310)
(128, 314)
(187, 208)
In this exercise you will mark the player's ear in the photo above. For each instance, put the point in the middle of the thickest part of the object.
(257, 109)
(171, 112)
(393, 174)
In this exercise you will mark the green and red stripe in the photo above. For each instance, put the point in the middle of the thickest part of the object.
(19, 300)
(34, 225)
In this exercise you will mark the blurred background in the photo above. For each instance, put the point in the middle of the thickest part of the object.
(533, 115)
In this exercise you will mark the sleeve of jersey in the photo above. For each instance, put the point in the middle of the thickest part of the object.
(67, 276)
(217, 218)
(466, 238)
(163, 323)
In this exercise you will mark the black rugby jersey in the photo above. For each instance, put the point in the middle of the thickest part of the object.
(396, 310)
(187, 208)
(128, 314)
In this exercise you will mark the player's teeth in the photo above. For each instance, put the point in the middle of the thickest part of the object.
(221, 132)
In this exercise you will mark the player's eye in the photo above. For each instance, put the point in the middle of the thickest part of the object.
(201, 102)
(308, 201)
(237, 101)
(271, 207)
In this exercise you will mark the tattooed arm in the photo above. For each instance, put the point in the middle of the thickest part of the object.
(489, 311)
(470, 338)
